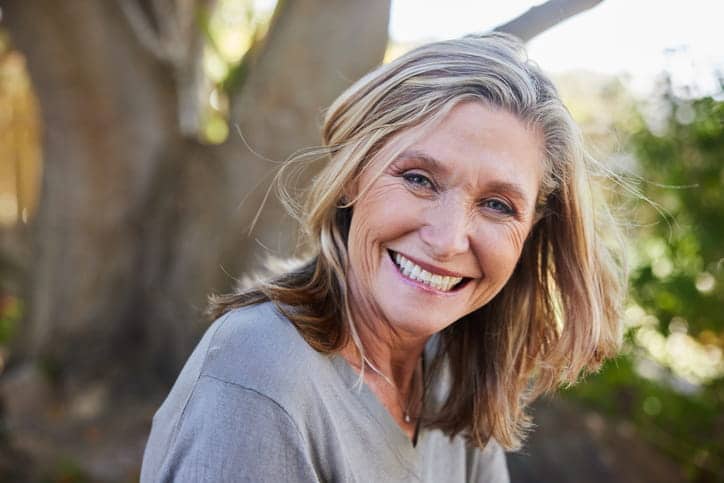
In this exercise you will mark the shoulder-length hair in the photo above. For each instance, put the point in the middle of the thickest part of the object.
(559, 314)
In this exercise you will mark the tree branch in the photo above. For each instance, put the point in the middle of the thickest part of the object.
(540, 18)
(178, 42)
(140, 25)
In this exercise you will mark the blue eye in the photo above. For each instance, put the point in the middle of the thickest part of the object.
(419, 180)
(499, 206)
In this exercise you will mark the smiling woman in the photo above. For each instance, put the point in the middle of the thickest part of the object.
(455, 272)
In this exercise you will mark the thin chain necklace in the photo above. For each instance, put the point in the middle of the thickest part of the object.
(410, 399)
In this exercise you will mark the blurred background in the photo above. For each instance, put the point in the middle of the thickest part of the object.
(138, 139)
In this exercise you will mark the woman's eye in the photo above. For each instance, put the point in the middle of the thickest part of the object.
(419, 180)
(499, 206)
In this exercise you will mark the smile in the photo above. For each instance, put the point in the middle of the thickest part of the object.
(412, 271)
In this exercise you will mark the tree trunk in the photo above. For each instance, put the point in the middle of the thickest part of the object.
(108, 115)
(137, 223)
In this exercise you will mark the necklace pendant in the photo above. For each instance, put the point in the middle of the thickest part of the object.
(407, 418)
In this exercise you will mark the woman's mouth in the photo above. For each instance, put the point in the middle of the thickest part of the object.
(414, 272)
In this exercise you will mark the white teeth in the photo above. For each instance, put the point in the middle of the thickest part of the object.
(413, 271)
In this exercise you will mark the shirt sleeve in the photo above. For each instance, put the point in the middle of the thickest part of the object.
(489, 465)
(231, 433)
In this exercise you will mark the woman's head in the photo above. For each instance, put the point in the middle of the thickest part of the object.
(556, 314)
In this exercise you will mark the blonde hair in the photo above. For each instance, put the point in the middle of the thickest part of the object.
(558, 315)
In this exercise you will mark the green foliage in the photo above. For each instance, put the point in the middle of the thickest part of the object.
(682, 166)
(677, 288)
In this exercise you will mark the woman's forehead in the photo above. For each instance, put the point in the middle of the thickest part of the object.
(471, 137)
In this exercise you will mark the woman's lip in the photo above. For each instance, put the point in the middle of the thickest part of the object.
(431, 268)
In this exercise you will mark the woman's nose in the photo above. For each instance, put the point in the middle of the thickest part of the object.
(446, 231)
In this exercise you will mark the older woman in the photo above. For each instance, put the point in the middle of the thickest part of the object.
(456, 270)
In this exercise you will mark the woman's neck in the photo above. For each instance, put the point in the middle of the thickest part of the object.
(388, 356)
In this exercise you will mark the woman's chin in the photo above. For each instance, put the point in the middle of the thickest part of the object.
(414, 310)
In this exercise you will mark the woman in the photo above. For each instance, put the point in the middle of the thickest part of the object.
(455, 272)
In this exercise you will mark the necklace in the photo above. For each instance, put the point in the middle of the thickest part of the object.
(410, 399)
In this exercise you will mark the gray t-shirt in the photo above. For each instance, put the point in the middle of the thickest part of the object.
(256, 403)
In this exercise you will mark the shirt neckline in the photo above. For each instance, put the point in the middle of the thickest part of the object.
(397, 439)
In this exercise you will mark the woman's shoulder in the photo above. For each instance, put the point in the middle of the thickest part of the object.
(257, 347)
(255, 340)
(234, 398)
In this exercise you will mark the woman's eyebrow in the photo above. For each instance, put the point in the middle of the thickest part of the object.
(512, 189)
(431, 163)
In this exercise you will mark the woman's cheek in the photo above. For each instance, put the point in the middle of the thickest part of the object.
(516, 235)
(498, 246)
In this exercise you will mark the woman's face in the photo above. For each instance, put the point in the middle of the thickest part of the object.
(439, 232)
